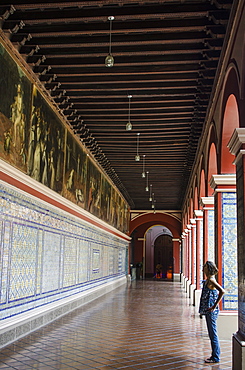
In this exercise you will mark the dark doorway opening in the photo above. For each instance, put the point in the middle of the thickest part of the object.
(163, 257)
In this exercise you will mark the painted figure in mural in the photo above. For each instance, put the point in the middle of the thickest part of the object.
(37, 153)
(17, 115)
(7, 141)
(44, 156)
(32, 141)
(212, 294)
(69, 183)
(52, 169)
(59, 156)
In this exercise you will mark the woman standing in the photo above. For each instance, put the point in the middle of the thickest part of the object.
(212, 294)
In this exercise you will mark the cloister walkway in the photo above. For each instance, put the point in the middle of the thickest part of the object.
(144, 325)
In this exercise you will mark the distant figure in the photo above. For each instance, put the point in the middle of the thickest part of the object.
(158, 271)
(212, 294)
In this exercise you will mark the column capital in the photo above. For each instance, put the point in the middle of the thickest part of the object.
(207, 202)
(227, 182)
(237, 141)
(198, 213)
(193, 222)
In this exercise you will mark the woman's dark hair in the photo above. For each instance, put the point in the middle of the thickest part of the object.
(212, 268)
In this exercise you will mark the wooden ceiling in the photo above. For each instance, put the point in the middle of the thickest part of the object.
(166, 54)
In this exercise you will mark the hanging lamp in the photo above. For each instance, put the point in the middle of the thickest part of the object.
(129, 124)
(109, 60)
(143, 170)
(150, 197)
(147, 181)
(153, 201)
(137, 157)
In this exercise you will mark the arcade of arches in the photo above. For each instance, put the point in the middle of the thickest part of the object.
(212, 222)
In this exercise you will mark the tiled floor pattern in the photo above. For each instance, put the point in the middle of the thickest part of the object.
(145, 325)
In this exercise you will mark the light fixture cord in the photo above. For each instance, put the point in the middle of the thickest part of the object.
(128, 109)
(138, 136)
(110, 36)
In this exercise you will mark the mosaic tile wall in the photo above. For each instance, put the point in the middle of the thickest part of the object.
(47, 254)
(211, 252)
(229, 251)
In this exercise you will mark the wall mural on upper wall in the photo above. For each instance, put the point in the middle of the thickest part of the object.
(93, 189)
(105, 199)
(15, 108)
(35, 140)
(75, 179)
(45, 145)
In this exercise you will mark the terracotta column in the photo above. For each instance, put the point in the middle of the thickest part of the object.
(183, 254)
(193, 260)
(237, 147)
(199, 239)
(189, 252)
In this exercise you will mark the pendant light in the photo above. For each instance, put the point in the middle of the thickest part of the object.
(137, 157)
(147, 181)
(153, 201)
(150, 197)
(129, 124)
(143, 170)
(109, 60)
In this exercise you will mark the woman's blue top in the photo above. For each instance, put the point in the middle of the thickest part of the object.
(208, 299)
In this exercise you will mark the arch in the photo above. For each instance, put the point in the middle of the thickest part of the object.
(202, 184)
(150, 219)
(230, 117)
(212, 166)
(196, 203)
(230, 122)
(142, 223)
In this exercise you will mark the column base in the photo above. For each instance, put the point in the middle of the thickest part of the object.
(227, 324)
(238, 352)
(187, 289)
(197, 296)
(192, 294)
(177, 277)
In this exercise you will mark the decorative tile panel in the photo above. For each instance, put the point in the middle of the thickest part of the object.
(51, 261)
(48, 254)
(211, 252)
(23, 260)
(229, 251)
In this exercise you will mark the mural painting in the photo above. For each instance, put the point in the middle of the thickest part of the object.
(45, 145)
(105, 199)
(94, 189)
(15, 107)
(74, 187)
(35, 140)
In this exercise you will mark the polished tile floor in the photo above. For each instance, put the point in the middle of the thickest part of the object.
(144, 325)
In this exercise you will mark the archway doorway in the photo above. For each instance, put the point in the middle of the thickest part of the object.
(159, 251)
(163, 256)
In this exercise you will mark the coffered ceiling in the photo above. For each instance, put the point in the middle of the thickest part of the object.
(166, 54)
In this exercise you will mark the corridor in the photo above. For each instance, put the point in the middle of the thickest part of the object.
(144, 325)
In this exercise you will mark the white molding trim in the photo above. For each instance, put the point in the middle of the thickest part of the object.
(236, 140)
(198, 213)
(225, 180)
(207, 200)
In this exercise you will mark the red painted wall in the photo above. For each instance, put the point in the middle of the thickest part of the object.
(142, 223)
